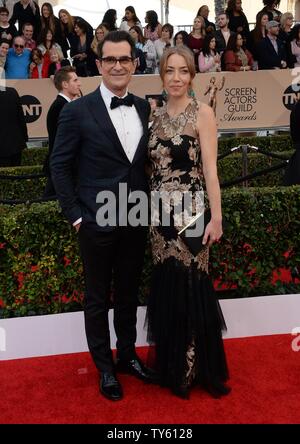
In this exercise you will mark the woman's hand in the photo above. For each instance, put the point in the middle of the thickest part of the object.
(153, 104)
(213, 232)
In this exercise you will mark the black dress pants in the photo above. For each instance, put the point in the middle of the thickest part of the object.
(117, 255)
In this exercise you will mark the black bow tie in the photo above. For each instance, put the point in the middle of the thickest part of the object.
(116, 101)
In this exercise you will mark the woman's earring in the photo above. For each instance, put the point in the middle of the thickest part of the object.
(164, 94)
(191, 92)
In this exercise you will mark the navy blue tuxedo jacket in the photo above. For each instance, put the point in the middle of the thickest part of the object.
(267, 56)
(87, 138)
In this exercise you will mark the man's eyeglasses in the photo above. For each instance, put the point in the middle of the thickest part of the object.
(18, 46)
(112, 61)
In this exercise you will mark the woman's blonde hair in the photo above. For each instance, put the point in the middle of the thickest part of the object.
(182, 51)
(54, 50)
(70, 24)
(285, 17)
(201, 19)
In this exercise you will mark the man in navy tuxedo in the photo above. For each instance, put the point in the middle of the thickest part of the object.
(68, 86)
(106, 133)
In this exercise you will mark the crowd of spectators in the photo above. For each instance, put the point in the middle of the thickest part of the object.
(42, 43)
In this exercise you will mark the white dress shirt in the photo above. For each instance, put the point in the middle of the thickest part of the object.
(65, 97)
(127, 124)
(126, 121)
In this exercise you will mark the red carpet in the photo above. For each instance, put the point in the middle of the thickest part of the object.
(265, 381)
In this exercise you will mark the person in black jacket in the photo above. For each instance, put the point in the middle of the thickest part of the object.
(237, 20)
(49, 21)
(27, 11)
(292, 172)
(68, 86)
(81, 52)
(270, 9)
(271, 52)
(67, 23)
(203, 11)
(7, 30)
(223, 34)
(106, 134)
(13, 129)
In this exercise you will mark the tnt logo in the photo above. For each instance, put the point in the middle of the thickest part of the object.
(296, 341)
(290, 97)
(32, 108)
(2, 340)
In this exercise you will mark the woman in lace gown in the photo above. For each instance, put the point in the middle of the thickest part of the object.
(184, 317)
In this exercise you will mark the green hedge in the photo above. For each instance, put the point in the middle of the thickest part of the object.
(229, 169)
(270, 143)
(36, 156)
(22, 189)
(41, 272)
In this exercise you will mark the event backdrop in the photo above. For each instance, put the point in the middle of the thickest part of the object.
(242, 101)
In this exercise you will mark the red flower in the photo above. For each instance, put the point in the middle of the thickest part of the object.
(67, 261)
(247, 247)
(65, 299)
(34, 268)
(2, 304)
(19, 301)
(20, 277)
(2, 245)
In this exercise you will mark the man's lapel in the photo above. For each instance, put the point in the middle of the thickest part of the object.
(98, 109)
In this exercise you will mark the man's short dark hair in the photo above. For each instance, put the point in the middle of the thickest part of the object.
(270, 2)
(63, 75)
(223, 13)
(4, 41)
(3, 9)
(27, 24)
(117, 37)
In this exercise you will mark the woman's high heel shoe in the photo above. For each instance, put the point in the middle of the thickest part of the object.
(182, 391)
(217, 389)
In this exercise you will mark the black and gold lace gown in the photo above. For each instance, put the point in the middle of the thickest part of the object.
(185, 321)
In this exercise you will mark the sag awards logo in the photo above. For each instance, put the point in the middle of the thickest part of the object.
(32, 108)
(239, 104)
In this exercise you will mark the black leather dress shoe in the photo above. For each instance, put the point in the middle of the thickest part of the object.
(136, 368)
(110, 387)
